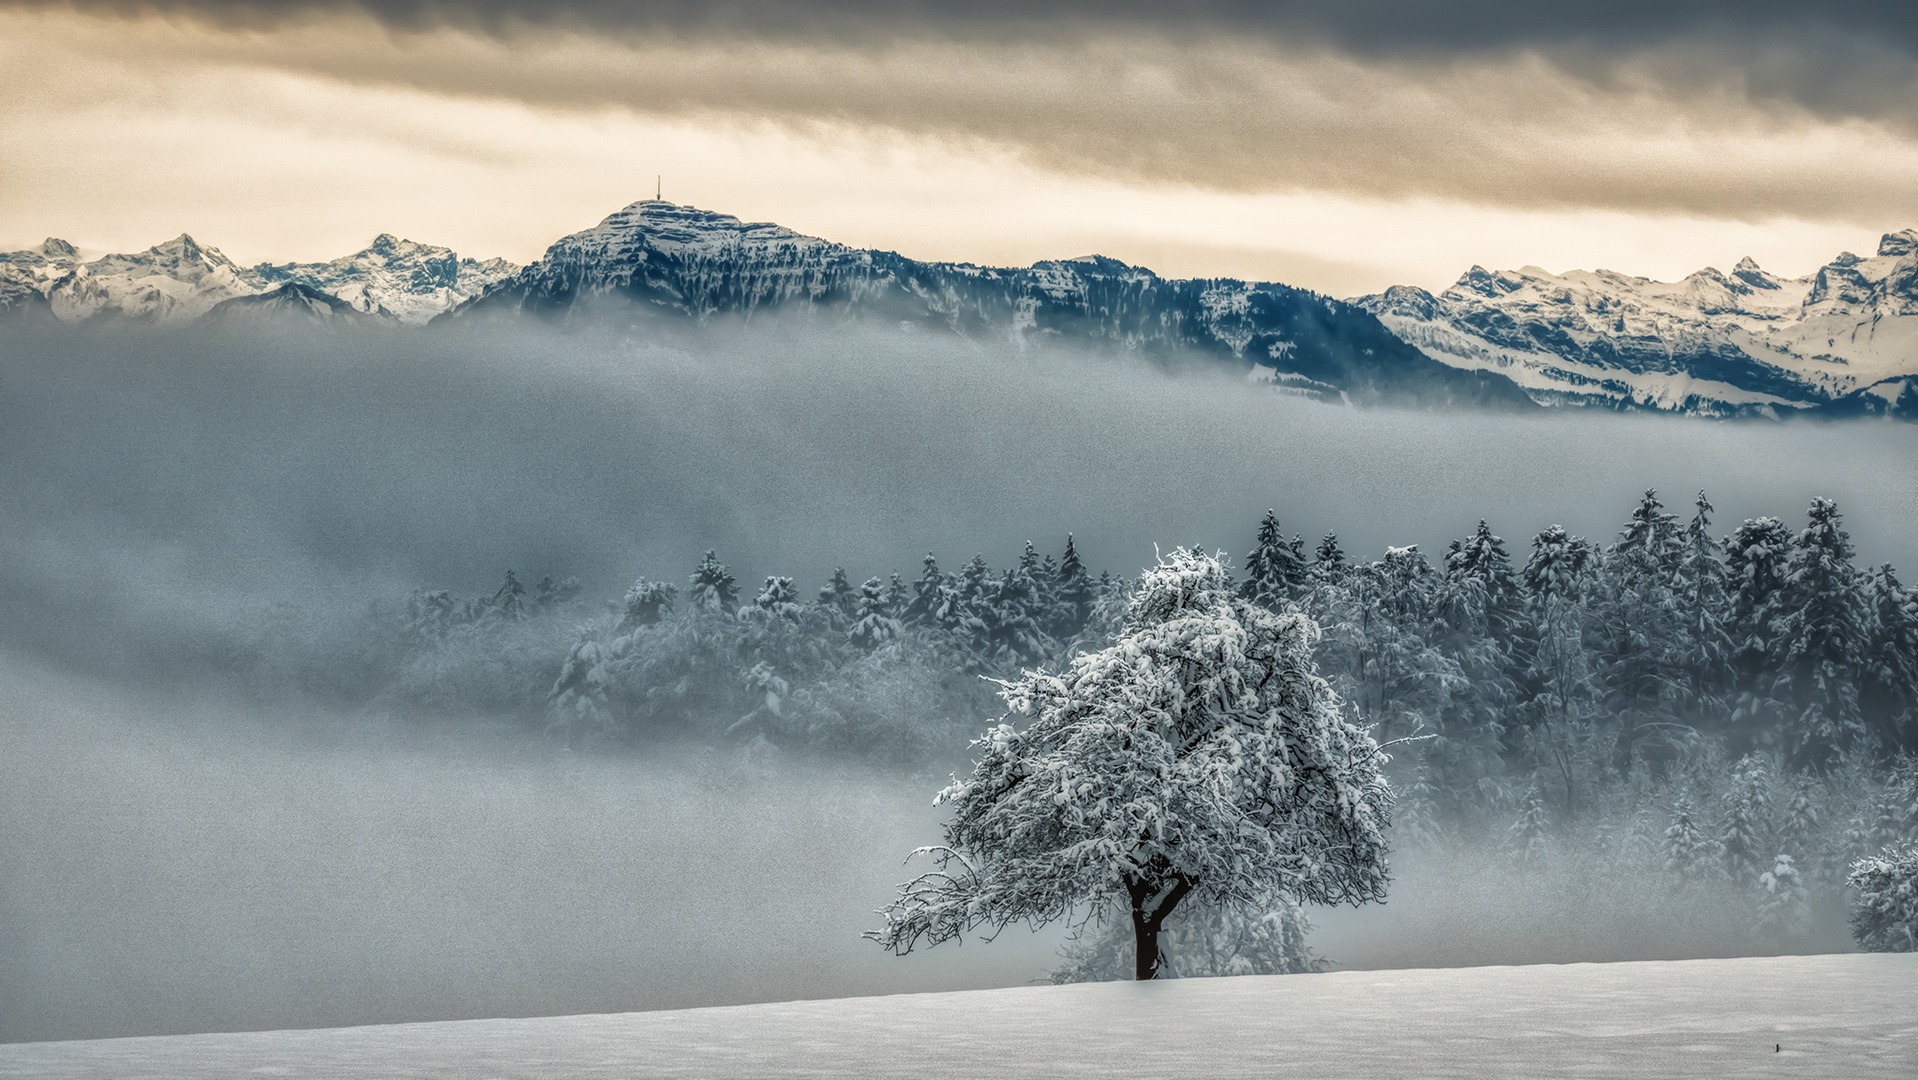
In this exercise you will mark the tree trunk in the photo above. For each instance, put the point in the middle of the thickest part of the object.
(1151, 903)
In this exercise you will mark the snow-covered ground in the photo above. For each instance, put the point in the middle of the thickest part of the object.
(1842, 1017)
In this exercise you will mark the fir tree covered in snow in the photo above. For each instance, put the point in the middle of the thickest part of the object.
(712, 587)
(1691, 858)
(1198, 759)
(1744, 832)
(1783, 911)
(1275, 569)
(1884, 913)
(1821, 642)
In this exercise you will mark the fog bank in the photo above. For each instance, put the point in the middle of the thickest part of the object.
(162, 493)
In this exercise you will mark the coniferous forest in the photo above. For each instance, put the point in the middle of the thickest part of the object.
(1724, 718)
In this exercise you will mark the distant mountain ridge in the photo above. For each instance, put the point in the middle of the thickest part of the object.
(180, 281)
(1840, 341)
(658, 262)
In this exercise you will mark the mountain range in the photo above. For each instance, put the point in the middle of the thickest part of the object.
(1840, 342)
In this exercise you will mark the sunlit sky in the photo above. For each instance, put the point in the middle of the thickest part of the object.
(1293, 142)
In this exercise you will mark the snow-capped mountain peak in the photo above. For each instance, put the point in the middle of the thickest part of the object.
(1711, 342)
(402, 280)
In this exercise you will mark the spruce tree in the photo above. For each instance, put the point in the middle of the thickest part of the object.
(1889, 697)
(1755, 557)
(647, 602)
(1783, 913)
(510, 601)
(1690, 857)
(713, 590)
(1527, 838)
(839, 597)
(873, 625)
(1275, 570)
(1822, 642)
(1074, 592)
(1328, 562)
(1704, 603)
(1744, 834)
(930, 596)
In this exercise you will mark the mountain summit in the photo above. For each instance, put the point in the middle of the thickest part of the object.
(658, 263)
(1841, 340)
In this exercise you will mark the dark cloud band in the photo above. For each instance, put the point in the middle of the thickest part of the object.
(1417, 26)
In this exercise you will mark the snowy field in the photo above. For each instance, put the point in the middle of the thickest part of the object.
(1843, 1017)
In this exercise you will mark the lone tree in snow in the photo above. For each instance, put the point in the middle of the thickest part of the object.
(1199, 759)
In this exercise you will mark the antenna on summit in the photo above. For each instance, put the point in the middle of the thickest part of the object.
(658, 186)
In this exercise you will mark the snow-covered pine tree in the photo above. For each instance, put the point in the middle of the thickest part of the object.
(1481, 558)
(933, 597)
(1755, 557)
(510, 601)
(873, 624)
(1199, 758)
(1691, 859)
(777, 599)
(646, 603)
(1889, 697)
(1783, 913)
(1799, 834)
(1884, 912)
(1744, 832)
(1821, 644)
(839, 597)
(1559, 674)
(712, 590)
(1275, 570)
(896, 598)
(1638, 632)
(1328, 562)
(1528, 838)
(1704, 602)
(1074, 593)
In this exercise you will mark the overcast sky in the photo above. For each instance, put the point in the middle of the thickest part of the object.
(1338, 146)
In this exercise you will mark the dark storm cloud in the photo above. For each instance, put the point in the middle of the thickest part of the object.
(1835, 59)
(1362, 25)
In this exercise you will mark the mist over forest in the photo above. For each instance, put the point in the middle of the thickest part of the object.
(287, 745)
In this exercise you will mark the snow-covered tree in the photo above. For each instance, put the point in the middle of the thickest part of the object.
(1529, 838)
(1690, 857)
(1744, 831)
(1783, 913)
(873, 624)
(1198, 758)
(1890, 693)
(1703, 600)
(1822, 642)
(1328, 562)
(1275, 570)
(1884, 914)
(646, 603)
(1073, 593)
(1755, 557)
(712, 587)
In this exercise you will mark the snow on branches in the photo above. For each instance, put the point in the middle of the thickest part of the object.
(1198, 757)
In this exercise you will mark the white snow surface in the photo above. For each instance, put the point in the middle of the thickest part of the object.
(1851, 1016)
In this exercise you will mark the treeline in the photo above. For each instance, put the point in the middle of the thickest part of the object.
(1718, 718)
(1768, 639)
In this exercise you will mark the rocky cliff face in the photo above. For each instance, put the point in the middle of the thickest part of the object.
(1714, 343)
(658, 262)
